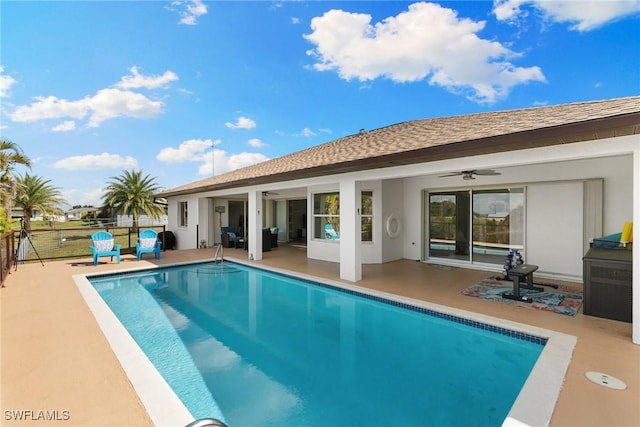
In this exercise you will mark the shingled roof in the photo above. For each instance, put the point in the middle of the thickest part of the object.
(427, 140)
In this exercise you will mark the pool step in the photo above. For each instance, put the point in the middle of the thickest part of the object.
(217, 269)
(206, 422)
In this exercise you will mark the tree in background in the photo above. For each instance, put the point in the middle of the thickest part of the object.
(10, 155)
(132, 194)
(36, 193)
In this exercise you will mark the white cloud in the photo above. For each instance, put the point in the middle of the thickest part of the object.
(199, 150)
(256, 143)
(507, 9)
(136, 80)
(89, 198)
(64, 126)
(582, 15)
(223, 162)
(49, 107)
(104, 105)
(192, 150)
(241, 160)
(295, 20)
(5, 83)
(219, 159)
(426, 42)
(241, 123)
(110, 103)
(96, 162)
(306, 132)
(189, 10)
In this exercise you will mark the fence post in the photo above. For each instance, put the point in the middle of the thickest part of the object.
(13, 250)
(2, 269)
(6, 261)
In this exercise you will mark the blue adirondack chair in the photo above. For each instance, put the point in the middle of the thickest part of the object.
(103, 245)
(330, 233)
(147, 243)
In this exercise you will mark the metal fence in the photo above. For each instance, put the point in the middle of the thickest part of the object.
(7, 254)
(61, 243)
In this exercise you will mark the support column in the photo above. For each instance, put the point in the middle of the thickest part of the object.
(350, 231)
(635, 300)
(254, 227)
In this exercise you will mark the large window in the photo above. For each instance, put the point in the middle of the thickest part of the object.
(475, 225)
(182, 214)
(326, 216)
(367, 216)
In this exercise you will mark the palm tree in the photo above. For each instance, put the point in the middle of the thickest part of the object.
(36, 193)
(132, 194)
(10, 154)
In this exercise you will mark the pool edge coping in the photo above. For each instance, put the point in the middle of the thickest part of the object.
(162, 405)
(534, 404)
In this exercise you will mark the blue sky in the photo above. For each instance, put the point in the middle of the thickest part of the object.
(89, 89)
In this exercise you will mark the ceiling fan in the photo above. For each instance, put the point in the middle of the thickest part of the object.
(469, 174)
(269, 193)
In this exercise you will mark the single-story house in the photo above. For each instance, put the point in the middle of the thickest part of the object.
(463, 190)
(79, 213)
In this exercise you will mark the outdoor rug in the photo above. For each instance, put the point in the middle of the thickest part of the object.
(564, 300)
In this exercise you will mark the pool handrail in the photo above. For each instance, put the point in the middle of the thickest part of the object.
(219, 252)
(206, 422)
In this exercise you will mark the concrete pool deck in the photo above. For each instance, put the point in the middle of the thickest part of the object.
(56, 362)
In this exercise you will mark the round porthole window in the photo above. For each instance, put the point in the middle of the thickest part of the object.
(393, 226)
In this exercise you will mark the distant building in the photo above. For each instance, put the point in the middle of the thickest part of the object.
(79, 213)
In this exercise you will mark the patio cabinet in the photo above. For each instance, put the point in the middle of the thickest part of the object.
(607, 283)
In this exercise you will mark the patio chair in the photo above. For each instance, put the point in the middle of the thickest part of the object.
(274, 237)
(229, 237)
(103, 245)
(330, 233)
(147, 243)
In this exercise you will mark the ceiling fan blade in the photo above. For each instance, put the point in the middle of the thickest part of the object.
(486, 172)
(468, 174)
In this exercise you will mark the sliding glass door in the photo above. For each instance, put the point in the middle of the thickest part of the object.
(449, 225)
(498, 224)
(478, 226)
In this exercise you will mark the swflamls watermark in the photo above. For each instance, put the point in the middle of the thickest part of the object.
(36, 415)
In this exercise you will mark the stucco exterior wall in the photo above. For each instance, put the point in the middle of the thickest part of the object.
(399, 191)
(615, 171)
(185, 236)
(392, 201)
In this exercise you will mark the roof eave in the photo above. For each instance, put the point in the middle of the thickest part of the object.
(624, 124)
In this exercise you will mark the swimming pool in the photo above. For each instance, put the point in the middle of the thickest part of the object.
(273, 351)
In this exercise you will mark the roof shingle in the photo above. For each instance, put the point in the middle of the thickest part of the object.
(433, 139)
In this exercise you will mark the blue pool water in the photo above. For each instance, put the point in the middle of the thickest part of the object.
(260, 349)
